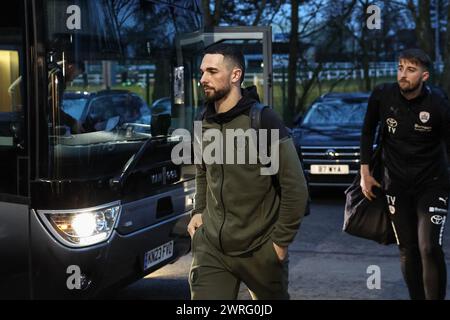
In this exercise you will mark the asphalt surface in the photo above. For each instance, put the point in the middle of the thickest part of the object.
(325, 263)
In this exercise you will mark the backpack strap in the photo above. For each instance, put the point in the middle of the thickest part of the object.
(256, 115)
(256, 124)
(201, 115)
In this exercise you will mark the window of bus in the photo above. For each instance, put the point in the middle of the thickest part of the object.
(109, 70)
(12, 145)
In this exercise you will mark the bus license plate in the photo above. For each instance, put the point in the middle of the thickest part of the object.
(157, 255)
(329, 169)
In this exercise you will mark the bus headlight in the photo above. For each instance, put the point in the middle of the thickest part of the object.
(84, 227)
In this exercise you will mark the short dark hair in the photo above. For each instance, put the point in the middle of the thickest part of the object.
(230, 52)
(417, 56)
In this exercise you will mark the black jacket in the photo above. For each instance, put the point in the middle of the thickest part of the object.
(415, 136)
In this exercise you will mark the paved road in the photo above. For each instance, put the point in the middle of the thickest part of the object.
(324, 263)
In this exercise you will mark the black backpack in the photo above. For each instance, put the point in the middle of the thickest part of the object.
(255, 115)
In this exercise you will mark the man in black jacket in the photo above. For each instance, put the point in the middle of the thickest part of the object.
(414, 121)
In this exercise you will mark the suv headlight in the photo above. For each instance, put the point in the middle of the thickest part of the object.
(82, 227)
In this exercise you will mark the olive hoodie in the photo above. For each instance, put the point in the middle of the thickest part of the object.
(241, 209)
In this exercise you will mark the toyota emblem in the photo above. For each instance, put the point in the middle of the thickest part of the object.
(331, 153)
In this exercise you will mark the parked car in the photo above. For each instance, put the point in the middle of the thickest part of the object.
(74, 103)
(328, 138)
(107, 109)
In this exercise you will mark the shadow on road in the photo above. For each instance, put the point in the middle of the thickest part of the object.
(152, 288)
(327, 193)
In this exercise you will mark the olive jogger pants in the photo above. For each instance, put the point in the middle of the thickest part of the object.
(217, 276)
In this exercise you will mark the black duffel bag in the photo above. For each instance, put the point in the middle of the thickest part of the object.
(364, 218)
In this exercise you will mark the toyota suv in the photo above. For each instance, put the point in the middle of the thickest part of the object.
(328, 138)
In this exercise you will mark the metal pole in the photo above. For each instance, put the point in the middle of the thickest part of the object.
(147, 86)
(283, 88)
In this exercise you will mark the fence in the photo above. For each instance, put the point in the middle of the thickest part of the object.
(331, 71)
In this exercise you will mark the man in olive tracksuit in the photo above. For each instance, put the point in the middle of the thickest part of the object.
(242, 224)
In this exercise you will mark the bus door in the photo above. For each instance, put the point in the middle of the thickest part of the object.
(14, 181)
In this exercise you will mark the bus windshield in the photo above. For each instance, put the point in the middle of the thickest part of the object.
(108, 62)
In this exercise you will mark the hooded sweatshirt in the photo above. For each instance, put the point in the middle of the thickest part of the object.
(241, 208)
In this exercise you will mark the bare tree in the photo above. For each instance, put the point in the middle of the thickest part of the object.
(289, 109)
(251, 12)
(421, 13)
(364, 45)
(212, 18)
(331, 37)
(240, 13)
(356, 28)
(445, 79)
(121, 11)
(422, 19)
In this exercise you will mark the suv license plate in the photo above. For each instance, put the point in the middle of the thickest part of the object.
(329, 169)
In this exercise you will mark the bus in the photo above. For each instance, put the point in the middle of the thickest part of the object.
(89, 198)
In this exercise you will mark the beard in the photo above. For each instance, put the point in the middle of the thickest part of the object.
(411, 88)
(215, 95)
